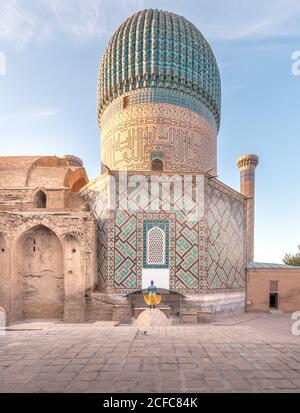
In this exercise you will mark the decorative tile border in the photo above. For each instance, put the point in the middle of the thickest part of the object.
(157, 155)
(164, 217)
(164, 225)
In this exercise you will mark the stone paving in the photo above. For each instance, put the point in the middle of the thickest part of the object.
(252, 353)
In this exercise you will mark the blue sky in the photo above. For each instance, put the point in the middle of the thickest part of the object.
(48, 95)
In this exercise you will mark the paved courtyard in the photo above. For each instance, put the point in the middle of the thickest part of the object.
(252, 353)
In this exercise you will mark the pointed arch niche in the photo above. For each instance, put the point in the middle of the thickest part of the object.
(40, 199)
(39, 256)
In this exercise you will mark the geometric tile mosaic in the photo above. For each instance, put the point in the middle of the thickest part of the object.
(164, 227)
(125, 250)
(187, 254)
(203, 256)
(225, 242)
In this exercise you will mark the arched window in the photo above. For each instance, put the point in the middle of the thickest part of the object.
(125, 102)
(156, 254)
(40, 199)
(157, 165)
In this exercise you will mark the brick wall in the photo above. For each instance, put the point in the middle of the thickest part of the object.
(258, 289)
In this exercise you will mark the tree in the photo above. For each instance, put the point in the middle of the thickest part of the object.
(290, 259)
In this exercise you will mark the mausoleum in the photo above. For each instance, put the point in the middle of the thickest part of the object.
(78, 250)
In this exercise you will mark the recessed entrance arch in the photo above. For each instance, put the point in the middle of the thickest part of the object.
(39, 257)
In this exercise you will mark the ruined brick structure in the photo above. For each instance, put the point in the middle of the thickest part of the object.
(47, 238)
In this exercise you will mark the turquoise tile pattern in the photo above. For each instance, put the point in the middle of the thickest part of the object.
(159, 49)
(204, 256)
(226, 243)
(157, 155)
(160, 95)
(125, 275)
(164, 225)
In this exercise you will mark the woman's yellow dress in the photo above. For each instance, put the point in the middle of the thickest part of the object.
(152, 298)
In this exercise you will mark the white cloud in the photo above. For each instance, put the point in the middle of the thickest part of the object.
(25, 21)
(81, 19)
(20, 25)
(90, 19)
(45, 113)
(239, 19)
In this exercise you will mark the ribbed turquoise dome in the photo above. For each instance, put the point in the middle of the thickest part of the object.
(158, 49)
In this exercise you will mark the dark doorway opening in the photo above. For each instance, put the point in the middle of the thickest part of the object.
(273, 301)
(40, 200)
(125, 102)
(157, 165)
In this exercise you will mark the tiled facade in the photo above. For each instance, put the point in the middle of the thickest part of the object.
(205, 256)
(226, 242)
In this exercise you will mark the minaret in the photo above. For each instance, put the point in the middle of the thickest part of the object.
(247, 165)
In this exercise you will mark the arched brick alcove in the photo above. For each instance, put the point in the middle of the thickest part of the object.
(39, 266)
(4, 276)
